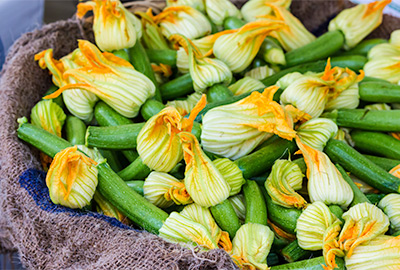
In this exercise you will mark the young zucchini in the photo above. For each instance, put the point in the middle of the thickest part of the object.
(178, 87)
(293, 252)
(75, 130)
(232, 22)
(377, 143)
(218, 92)
(321, 48)
(379, 92)
(256, 209)
(226, 218)
(375, 198)
(337, 211)
(136, 170)
(361, 167)
(386, 163)
(136, 186)
(151, 108)
(359, 196)
(310, 264)
(112, 159)
(364, 47)
(166, 57)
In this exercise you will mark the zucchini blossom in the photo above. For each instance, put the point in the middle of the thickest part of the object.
(231, 173)
(112, 79)
(158, 144)
(152, 36)
(384, 60)
(363, 222)
(284, 179)
(358, 22)
(234, 130)
(197, 4)
(72, 178)
(251, 246)
(219, 10)
(239, 206)
(203, 216)
(183, 20)
(294, 35)
(238, 49)
(317, 132)
(380, 253)
(396, 170)
(245, 85)
(317, 228)
(260, 73)
(104, 207)
(180, 228)
(184, 106)
(79, 102)
(204, 183)
(325, 182)
(390, 204)
(253, 9)
(163, 190)
(205, 71)
(114, 27)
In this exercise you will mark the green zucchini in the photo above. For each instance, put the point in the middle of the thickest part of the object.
(386, 163)
(272, 259)
(387, 121)
(302, 164)
(231, 23)
(59, 100)
(379, 92)
(262, 160)
(279, 243)
(136, 186)
(375, 198)
(361, 167)
(285, 218)
(141, 63)
(337, 211)
(293, 252)
(151, 108)
(256, 209)
(113, 137)
(226, 218)
(136, 170)
(218, 92)
(359, 197)
(166, 57)
(112, 159)
(123, 53)
(178, 87)
(364, 47)
(353, 62)
(75, 130)
(376, 143)
(396, 233)
(310, 264)
(110, 185)
(321, 48)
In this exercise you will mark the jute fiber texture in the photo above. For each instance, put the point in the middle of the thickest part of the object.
(56, 240)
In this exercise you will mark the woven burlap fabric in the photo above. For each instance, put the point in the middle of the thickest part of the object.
(47, 240)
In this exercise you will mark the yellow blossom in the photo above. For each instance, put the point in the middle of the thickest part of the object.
(253, 9)
(219, 10)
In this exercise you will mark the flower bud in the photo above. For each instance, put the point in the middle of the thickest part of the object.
(180, 228)
(238, 49)
(381, 253)
(317, 132)
(72, 178)
(197, 4)
(203, 181)
(251, 246)
(363, 222)
(239, 206)
(245, 85)
(325, 182)
(390, 204)
(183, 20)
(162, 72)
(358, 22)
(184, 106)
(106, 208)
(49, 116)
(260, 73)
(218, 11)
(348, 99)
(115, 28)
(231, 173)
(284, 179)
(288, 79)
(152, 36)
(129, 90)
(253, 9)
(378, 107)
(234, 130)
(163, 190)
(395, 38)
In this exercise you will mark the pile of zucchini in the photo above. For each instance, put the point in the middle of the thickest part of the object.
(262, 200)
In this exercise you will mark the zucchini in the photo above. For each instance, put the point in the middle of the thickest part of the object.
(151, 108)
(386, 121)
(364, 47)
(359, 197)
(379, 92)
(375, 198)
(337, 211)
(178, 87)
(302, 164)
(59, 100)
(353, 62)
(272, 259)
(232, 22)
(166, 57)
(136, 186)
(123, 53)
(226, 218)
(310, 264)
(285, 218)
(321, 48)
(136, 170)
(376, 143)
(141, 63)
(262, 160)
(218, 92)
(75, 130)
(112, 159)
(396, 233)
(386, 163)
(110, 185)
(256, 209)
(361, 167)
(293, 252)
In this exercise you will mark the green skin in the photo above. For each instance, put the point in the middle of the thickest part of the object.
(226, 218)
(376, 91)
(377, 143)
(293, 252)
(256, 209)
(75, 130)
(310, 264)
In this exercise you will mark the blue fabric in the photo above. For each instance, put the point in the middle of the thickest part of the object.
(34, 181)
(2, 54)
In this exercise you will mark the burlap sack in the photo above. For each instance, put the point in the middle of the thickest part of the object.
(51, 237)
